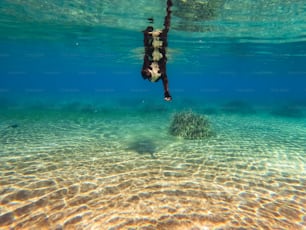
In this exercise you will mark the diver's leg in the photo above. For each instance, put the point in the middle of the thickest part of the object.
(168, 16)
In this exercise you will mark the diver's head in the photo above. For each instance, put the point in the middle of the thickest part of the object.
(146, 73)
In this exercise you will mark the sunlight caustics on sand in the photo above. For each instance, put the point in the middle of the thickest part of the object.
(89, 173)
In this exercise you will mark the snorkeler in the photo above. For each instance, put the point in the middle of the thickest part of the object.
(155, 59)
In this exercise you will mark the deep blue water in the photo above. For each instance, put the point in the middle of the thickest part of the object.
(257, 71)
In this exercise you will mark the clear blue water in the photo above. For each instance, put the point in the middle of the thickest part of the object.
(85, 140)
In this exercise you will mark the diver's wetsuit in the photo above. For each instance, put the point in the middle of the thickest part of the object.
(155, 59)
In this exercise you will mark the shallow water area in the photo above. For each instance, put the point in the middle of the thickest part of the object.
(125, 171)
(85, 140)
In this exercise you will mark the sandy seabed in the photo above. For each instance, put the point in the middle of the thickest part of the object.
(127, 172)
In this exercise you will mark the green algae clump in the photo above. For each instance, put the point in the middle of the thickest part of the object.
(190, 125)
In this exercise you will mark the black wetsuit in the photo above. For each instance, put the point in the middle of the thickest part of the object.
(149, 50)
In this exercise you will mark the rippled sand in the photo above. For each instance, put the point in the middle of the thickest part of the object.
(83, 172)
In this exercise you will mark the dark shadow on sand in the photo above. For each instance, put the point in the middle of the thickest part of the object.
(143, 146)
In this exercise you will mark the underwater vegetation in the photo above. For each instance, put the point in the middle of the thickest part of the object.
(79, 107)
(238, 107)
(153, 108)
(128, 101)
(190, 125)
(209, 110)
(5, 103)
(194, 11)
(290, 111)
(197, 10)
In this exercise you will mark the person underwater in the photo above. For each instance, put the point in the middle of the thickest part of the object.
(155, 59)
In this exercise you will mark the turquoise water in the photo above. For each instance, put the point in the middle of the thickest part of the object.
(85, 141)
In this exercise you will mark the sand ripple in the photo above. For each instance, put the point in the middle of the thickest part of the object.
(84, 180)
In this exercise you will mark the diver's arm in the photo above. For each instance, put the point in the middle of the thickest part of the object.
(167, 95)
(145, 67)
(147, 36)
